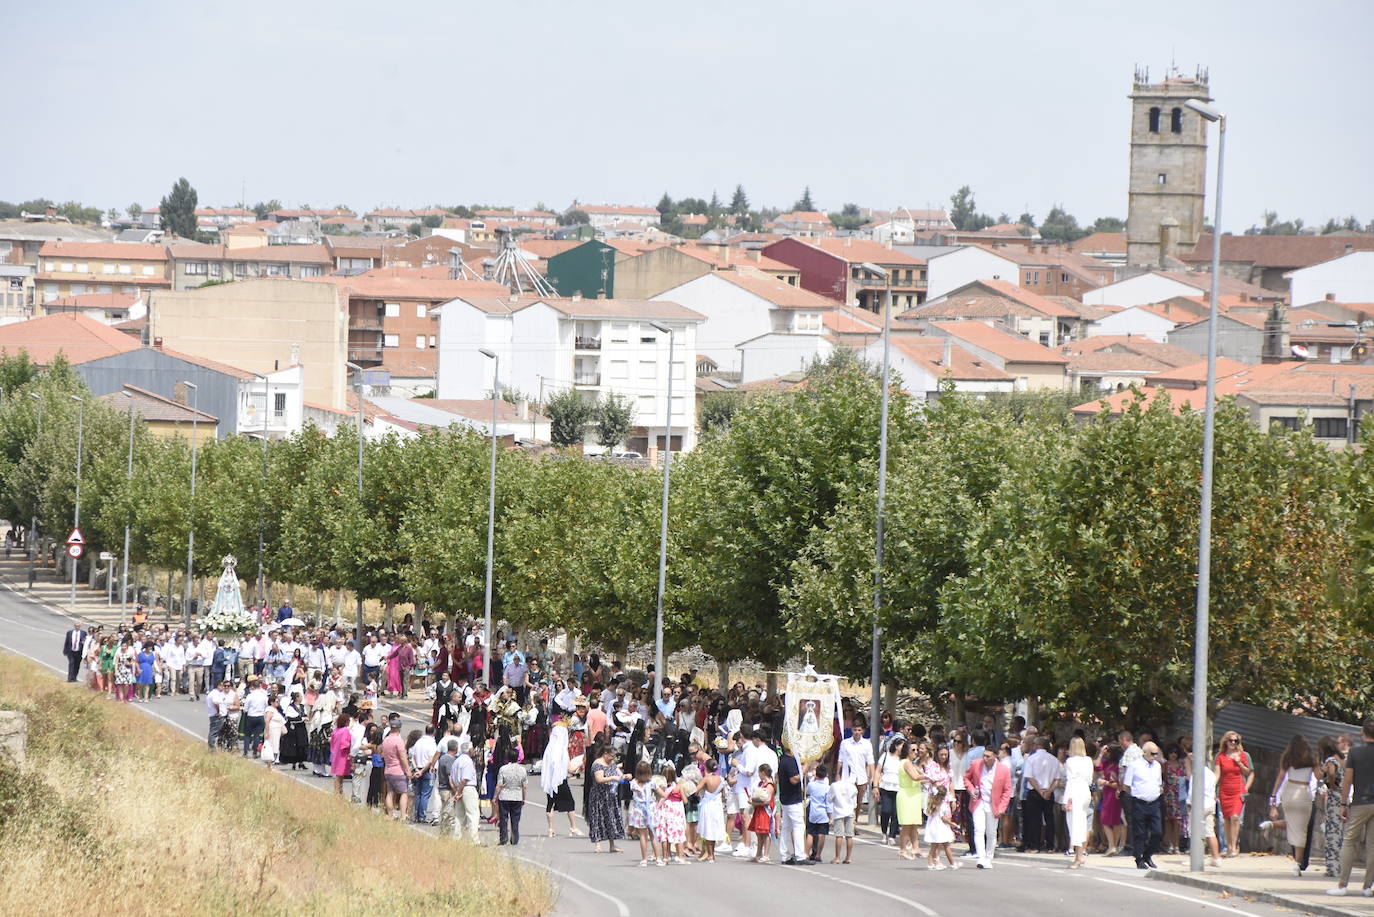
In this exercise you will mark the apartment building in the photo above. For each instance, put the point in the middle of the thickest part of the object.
(77, 268)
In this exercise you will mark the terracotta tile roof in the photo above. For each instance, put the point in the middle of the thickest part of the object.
(722, 256)
(1106, 361)
(1202, 280)
(1168, 354)
(111, 251)
(632, 246)
(216, 365)
(1085, 312)
(856, 251)
(357, 246)
(803, 216)
(295, 254)
(976, 305)
(780, 294)
(929, 354)
(1002, 341)
(479, 409)
(154, 407)
(388, 283)
(623, 308)
(616, 209)
(843, 319)
(1193, 374)
(1114, 242)
(547, 248)
(1042, 304)
(78, 337)
(1278, 251)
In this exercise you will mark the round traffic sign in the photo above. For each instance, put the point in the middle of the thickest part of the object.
(75, 550)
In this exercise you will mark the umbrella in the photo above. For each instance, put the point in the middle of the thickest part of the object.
(291, 622)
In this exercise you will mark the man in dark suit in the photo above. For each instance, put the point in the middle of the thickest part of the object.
(72, 645)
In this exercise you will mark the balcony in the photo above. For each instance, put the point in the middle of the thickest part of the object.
(587, 343)
(582, 378)
(365, 354)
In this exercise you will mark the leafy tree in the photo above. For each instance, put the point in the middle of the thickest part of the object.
(848, 217)
(1273, 226)
(574, 216)
(178, 210)
(665, 206)
(713, 207)
(1026, 219)
(433, 221)
(614, 415)
(963, 211)
(1060, 226)
(1109, 224)
(569, 413)
(717, 410)
(112, 214)
(416, 229)
(264, 208)
(804, 202)
(739, 202)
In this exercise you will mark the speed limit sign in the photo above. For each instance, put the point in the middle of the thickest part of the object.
(75, 550)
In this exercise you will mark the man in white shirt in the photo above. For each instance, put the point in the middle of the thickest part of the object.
(750, 757)
(316, 660)
(351, 666)
(1040, 775)
(422, 755)
(254, 709)
(217, 707)
(856, 762)
(843, 798)
(198, 665)
(174, 658)
(464, 777)
(1144, 781)
(374, 654)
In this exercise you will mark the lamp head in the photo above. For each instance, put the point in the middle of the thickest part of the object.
(1202, 108)
(661, 327)
(873, 269)
(486, 353)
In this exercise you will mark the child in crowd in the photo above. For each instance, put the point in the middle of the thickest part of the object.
(817, 813)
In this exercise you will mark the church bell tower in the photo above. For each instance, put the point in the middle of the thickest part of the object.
(1168, 177)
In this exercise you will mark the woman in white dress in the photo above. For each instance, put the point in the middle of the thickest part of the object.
(1294, 788)
(1078, 795)
(710, 811)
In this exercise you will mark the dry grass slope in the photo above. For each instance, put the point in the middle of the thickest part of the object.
(118, 815)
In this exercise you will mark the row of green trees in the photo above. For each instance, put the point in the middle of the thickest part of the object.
(1026, 554)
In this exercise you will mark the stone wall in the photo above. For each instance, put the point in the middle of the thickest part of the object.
(14, 735)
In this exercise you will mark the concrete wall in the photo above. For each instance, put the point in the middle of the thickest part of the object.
(262, 326)
(1135, 322)
(952, 270)
(1346, 279)
(1139, 290)
(646, 276)
(733, 315)
(778, 354)
(1235, 340)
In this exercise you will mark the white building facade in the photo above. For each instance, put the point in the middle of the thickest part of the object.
(952, 270)
(1347, 279)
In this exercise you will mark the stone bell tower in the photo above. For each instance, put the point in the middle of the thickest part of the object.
(1168, 178)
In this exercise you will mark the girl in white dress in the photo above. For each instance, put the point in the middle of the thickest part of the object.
(939, 831)
(710, 811)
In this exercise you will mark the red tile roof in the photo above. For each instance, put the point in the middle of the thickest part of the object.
(1002, 341)
(929, 354)
(1114, 242)
(1278, 251)
(77, 336)
(780, 294)
(856, 251)
(388, 283)
(108, 251)
(94, 301)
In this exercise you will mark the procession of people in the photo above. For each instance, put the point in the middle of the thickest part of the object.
(679, 770)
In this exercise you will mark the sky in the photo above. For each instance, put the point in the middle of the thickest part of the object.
(879, 103)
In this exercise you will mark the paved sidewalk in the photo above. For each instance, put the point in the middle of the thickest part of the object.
(53, 589)
(1248, 877)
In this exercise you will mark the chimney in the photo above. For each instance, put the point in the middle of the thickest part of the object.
(727, 254)
(1330, 297)
(522, 409)
(601, 293)
(157, 343)
(948, 357)
(577, 296)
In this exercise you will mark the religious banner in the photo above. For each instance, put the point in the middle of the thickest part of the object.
(811, 703)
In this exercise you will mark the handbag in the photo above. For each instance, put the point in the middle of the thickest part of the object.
(759, 797)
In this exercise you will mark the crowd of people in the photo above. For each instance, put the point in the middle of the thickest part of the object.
(690, 771)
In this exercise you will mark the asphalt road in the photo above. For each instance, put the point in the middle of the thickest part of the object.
(602, 885)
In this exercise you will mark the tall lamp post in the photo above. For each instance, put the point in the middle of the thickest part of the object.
(191, 527)
(491, 518)
(124, 575)
(358, 390)
(1201, 739)
(876, 673)
(33, 515)
(80, 447)
(663, 524)
(266, 401)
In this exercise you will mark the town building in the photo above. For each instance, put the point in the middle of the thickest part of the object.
(1168, 172)
(1266, 260)
(1032, 366)
(833, 267)
(195, 264)
(592, 346)
(1346, 278)
(76, 268)
(925, 364)
(163, 416)
(606, 217)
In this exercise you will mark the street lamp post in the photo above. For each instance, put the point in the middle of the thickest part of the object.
(124, 576)
(191, 512)
(491, 517)
(358, 391)
(875, 675)
(80, 447)
(266, 401)
(33, 514)
(663, 524)
(1201, 739)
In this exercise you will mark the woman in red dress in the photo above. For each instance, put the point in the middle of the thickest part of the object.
(1235, 773)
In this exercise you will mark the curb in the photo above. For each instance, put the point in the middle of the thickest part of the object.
(1191, 880)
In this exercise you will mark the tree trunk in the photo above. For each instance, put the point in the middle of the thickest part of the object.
(389, 615)
(92, 571)
(890, 698)
(772, 685)
(960, 709)
(723, 675)
(167, 602)
(1033, 710)
(338, 607)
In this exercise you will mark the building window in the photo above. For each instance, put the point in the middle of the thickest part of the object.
(620, 333)
(1284, 423)
(311, 270)
(277, 270)
(1154, 120)
(1044, 339)
(678, 407)
(420, 310)
(1176, 121)
(215, 267)
(391, 340)
(66, 267)
(78, 289)
(808, 321)
(393, 310)
(620, 369)
(648, 369)
(679, 370)
(433, 341)
(1330, 428)
(83, 268)
(126, 268)
(278, 405)
(648, 339)
(1162, 178)
(50, 266)
(1063, 278)
(104, 268)
(149, 270)
(646, 406)
(240, 269)
(196, 268)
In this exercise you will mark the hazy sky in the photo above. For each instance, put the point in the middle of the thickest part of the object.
(881, 103)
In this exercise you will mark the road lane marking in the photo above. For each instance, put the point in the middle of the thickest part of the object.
(877, 891)
(1159, 891)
